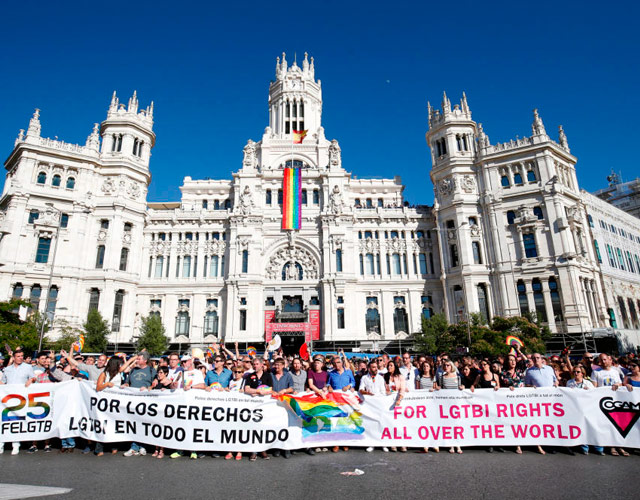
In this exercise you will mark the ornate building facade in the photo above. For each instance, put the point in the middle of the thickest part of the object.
(508, 233)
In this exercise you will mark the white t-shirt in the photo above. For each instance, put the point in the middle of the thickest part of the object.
(605, 378)
(409, 376)
(376, 385)
(193, 377)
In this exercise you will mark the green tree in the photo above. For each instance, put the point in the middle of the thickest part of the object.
(13, 331)
(68, 335)
(435, 336)
(152, 336)
(96, 332)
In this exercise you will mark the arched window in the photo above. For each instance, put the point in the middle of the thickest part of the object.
(400, 320)
(71, 183)
(34, 299)
(94, 299)
(17, 291)
(211, 323)
(531, 176)
(538, 299)
(517, 179)
(267, 198)
(316, 197)
(56, 180)
(556, 304)
(368, 234)
(182, 323)
(511, 217)
(372, 316)
(504, 180)
(304, 197)
(42, 178)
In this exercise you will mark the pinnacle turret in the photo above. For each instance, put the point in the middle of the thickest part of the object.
(34, 125)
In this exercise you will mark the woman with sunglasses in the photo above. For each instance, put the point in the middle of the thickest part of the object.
(633, 379)
(450, 379)
(396, 382)
(580, 381)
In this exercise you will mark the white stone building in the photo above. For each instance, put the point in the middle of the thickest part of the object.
(508, 233)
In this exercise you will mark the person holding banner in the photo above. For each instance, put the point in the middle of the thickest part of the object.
(17, 373)
(609, 376)
(110, 377)
(373, 384)
(141, 377)
(396, 382)
(258, 383)
(450, 379)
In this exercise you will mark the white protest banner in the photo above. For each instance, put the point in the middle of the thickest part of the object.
(231, 421)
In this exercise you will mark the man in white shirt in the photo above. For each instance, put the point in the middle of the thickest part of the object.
(409, 371)
(17, 373)
(372, 384)
(175, 370)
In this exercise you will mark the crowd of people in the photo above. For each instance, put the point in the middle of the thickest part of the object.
(277, 374)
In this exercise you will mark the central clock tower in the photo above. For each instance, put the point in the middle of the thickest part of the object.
(295, 99)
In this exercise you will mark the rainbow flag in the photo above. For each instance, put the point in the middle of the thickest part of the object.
(291, 198)
(336, 413)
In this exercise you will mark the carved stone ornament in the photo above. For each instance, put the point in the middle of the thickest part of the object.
(250, 158)
(187, 247)
(475, 230)
(133, 190)
(126, 238)
(102, 235)
(160, 247)
(336, 203)
(370, 245)
(246, 201)
(336, 243)
(334, 153)
(108, 186)
(447, 186)
(215, 247)
(295, 255)
(396, 245)
(468, 184)
(243, 243)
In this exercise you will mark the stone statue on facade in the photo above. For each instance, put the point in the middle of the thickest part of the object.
(246, 201)
(336, 203)
(250, 158)
(334, 153)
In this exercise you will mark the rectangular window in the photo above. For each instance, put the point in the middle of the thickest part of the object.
(183, 322)
(42, 253)
(186, 266)
(213, 269)
(100, 257)
(361, 265)
(370, 264)
(453, 250)
(124, 257)
(423, 263)
(243, 319)
(117, 311)
(340, 319)
(159, 265)
(595, 244)
(529, 241)
(267, 198)
(64, 221)
(245, 261)
(33, 216)
(338, 260)
(620, 259)
(316, 197)
(477, 256)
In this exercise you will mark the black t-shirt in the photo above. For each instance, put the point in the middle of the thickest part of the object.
(252, 380)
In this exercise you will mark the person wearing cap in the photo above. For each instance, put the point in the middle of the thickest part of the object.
(19, 372)
(141, 377)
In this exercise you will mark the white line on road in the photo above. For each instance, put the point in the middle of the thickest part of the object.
(18, 491)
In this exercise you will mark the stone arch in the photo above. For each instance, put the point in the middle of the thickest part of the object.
(301, 253)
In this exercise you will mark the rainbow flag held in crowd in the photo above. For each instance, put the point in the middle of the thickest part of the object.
(291, 198)
(336, 413)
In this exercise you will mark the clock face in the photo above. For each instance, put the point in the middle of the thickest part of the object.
(295, 84)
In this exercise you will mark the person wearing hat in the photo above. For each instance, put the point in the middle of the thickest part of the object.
(141, 377)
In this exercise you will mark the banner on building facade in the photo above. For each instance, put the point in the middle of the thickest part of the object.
(228, 421)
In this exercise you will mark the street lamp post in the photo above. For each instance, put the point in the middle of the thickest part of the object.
(53, 260)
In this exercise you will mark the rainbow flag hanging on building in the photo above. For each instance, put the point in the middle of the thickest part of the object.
(291, 198)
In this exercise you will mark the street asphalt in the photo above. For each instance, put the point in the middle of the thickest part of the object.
(472, 475)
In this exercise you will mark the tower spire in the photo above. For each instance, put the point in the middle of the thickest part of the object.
(34, 125)
(537, 126)
(562, 138)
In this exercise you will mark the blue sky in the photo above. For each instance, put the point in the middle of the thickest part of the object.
(208, 67)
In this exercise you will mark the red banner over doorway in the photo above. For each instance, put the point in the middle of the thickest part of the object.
(311, 329)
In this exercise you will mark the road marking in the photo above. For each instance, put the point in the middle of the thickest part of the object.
(18, 491)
